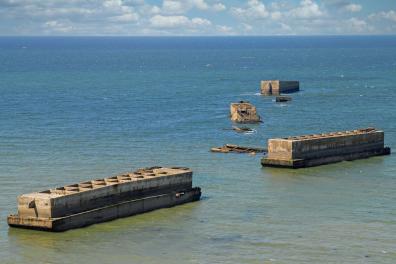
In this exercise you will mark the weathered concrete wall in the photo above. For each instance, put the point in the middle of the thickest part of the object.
(84, 196)
(106, 213)
(325, 148)
(335, 145)
(105, 199)
(244, 112)
(276, 87)
(280, 149)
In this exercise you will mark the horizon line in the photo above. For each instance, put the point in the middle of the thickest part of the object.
(200, 36)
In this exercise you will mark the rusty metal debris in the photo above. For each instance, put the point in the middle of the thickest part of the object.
(229, 148)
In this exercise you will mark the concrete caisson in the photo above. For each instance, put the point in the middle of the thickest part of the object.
(277, 87)
(100, 200)
(244, 112)
(319, 149)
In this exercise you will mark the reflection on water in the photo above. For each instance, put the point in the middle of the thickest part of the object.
(30, 244)
(285, 174)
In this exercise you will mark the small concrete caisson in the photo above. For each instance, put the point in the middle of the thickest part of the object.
(101, 200)
(276, 87)
(244, 112)
(314, 150)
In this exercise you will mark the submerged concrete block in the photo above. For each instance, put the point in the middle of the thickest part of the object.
(282, 99)
(100, 200)
(276, 87)
(244, 112)
(313, 150)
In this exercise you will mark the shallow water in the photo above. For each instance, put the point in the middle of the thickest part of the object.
(73, 109)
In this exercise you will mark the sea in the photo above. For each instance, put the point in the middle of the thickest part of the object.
(80, 108)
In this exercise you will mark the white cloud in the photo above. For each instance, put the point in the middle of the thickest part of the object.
(146, 10)
(306, 10)
(60, 12)
(173, 7)
(118, 12)
(353, 8)
(128, 17)
(200, 4)
(175, 17)
(112, 3)
(224, 29)
(276, 15)
(155, 10)
(181, 7)
(57, 27)
(285, 27)
(356, 25)
(219, 7)
(255, 10)
(276, 5)
(307, 17)
(247, 27)
(197, 21)
(390, 15)
(163, 22)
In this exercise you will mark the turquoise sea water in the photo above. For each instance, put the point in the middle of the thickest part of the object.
(73, 109)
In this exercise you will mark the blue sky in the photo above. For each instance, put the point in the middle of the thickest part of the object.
(197, 17)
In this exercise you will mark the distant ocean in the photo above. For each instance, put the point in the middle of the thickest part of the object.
(77, 108)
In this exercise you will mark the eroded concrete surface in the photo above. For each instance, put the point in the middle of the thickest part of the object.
(244, 112)
(277, 87)
(318, 149)
(105, 199)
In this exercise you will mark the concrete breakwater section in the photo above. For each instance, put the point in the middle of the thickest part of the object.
(244, 112)
(96, 201)
(319, 149)
(277, 87)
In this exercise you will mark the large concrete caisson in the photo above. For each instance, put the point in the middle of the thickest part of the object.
(96, 201)
(313, 150)
(244, 112)
(276, 87)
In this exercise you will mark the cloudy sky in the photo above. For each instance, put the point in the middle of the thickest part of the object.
(197, 17)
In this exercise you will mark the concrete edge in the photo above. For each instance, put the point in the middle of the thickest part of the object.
(301, 163)
(106, 213)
